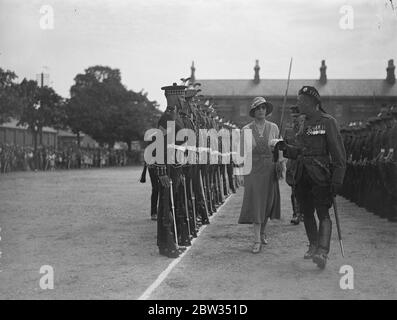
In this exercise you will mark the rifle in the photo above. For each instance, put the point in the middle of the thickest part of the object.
(186, 205)
(203, 193)
(173, 214)
(143, 175)
(193, 205)
(220, 185)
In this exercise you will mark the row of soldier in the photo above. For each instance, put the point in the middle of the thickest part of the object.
(185, 196)
(371, 175)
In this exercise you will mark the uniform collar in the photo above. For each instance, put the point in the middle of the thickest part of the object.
(315, 117)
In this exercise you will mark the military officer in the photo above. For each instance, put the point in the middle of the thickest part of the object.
(391, 165)
(291, 138)
(321, 167)
(172, 229)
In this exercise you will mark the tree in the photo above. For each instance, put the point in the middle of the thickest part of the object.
(40, 107)
(94, 106)
(139, 115)
(103, 108)
(9, 101)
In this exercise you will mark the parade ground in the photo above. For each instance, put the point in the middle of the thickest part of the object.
(93, 228)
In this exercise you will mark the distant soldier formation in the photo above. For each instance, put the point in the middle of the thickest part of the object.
(185, 196)
(371, 175)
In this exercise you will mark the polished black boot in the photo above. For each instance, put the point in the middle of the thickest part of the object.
(295, 207)
(184, 239)
(311, 228)
(324, 239)
(170, 249)
(295, 220)
(203, 213)
(320, 259)
(170, 253)
(393, 215)
(312, 250)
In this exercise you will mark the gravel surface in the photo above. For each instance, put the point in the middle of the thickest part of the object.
(221, 266)
(93, 227)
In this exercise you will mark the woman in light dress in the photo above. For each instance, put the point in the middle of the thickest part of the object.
(261, 189)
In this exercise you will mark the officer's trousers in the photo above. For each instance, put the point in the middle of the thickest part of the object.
(155, 190)
(314, 197)
(230, 173)
(165, 222)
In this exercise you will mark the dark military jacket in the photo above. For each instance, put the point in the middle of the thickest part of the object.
(162, 125)
(393, 142)
(320, 151)
(290, 137)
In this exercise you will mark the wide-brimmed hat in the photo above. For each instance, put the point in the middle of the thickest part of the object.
(258, 101)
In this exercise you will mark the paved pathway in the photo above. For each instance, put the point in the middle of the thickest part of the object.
(221, 266)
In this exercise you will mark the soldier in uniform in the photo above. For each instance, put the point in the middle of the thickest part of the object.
(190, 170)
(383, 163)
(199, 187)
(291, 138)
(172, 228)
(321, 167)
(207, 169)
(391, 166)
(228, 179)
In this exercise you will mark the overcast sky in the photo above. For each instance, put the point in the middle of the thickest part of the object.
(153, 42)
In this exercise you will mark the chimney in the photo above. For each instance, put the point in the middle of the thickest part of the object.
(256, 76)
(391, 77)
(192, 75)
(323, 73)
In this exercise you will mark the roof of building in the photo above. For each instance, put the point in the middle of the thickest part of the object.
(13, 125)
(276, 87)
(64, 133)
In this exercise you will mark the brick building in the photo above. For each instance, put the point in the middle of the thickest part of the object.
(12, 134)
(345, 99)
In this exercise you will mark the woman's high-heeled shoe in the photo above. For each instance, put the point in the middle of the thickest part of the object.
(264, 239)
(257, 247)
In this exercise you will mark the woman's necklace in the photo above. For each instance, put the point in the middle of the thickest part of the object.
(260, 129)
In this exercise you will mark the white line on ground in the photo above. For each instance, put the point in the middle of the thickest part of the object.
(163, 275)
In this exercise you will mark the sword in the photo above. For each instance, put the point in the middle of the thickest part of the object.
(173, 214)
(338, 226)
(285, 100)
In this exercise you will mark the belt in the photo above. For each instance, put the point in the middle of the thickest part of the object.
(314, 155)
(266, 156)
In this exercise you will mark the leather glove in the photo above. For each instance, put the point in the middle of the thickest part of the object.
(281, 145)
(163, 177)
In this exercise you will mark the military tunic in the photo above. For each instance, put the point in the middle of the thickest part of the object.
(321, 163)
